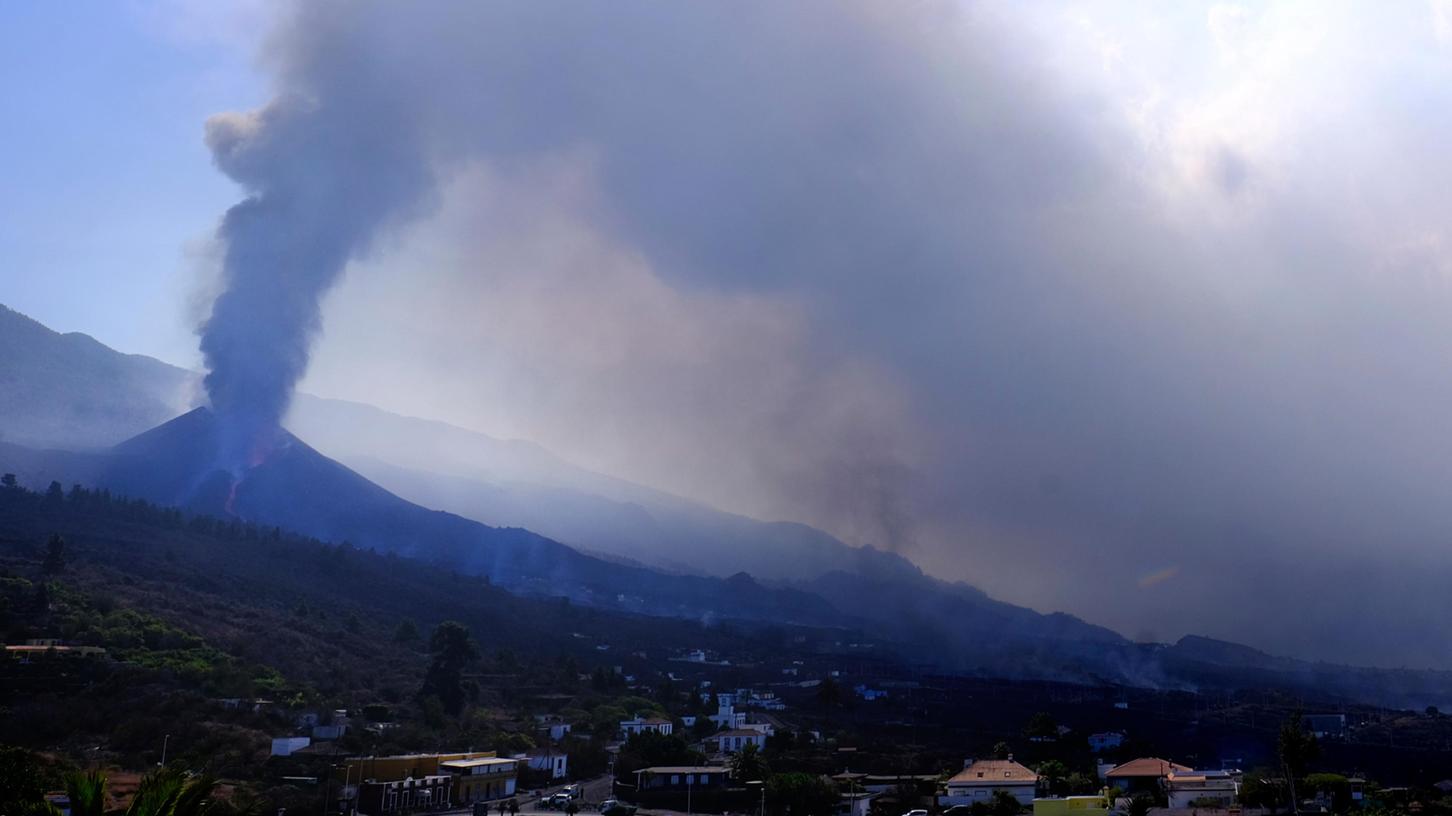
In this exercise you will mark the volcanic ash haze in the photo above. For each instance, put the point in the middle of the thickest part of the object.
(1165, 307)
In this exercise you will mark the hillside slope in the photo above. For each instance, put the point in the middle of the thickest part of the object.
(69, 391)
(299, 489)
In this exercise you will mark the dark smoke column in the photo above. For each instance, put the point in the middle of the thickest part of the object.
(321, 182)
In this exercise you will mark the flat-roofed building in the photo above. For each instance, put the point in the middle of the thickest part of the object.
(1193, 789)
(482, 779)
(405, 782)
(681, 777)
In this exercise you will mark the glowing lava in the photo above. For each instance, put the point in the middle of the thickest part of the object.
(262, 449)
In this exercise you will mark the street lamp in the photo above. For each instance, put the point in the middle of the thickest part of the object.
(164, 741)
(761, 784)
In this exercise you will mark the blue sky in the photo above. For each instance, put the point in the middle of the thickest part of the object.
(108, 183)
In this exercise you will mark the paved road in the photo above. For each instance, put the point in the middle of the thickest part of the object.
(596, 791)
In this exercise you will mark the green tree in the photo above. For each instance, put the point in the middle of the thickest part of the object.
(800, 794)
(1053, 776)
(86, 791)
(163, 792)
(406, 631)
(828, 692)
(168, 792)
(747, 765)
(8, 481)
(1003, 803)
(55, 556)
(1001, 751)
(1258, 791)
(1140, 804)
(1298, 749)
(1335, 786)
(453, 649)
(605, 719)
(22, 780)
(1042, 725)
(650, 748)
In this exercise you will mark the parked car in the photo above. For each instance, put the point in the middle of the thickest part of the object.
(916, 812)
(614, 807)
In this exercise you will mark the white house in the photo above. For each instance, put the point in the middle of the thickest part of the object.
(552, 761)
(632, 727)
(729, 742)
(727, 716)
(285, 746)
(978, 781)
(1191, 789)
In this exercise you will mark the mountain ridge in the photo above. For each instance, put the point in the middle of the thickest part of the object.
(951, 625)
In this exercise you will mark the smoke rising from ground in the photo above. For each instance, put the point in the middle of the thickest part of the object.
(1137, 314)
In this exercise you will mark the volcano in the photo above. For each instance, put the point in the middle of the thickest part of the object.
(297, 488)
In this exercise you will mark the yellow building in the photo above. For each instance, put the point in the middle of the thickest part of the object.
(481, 779)
(474, 776)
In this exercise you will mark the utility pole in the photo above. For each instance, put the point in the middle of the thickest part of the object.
(164, 741)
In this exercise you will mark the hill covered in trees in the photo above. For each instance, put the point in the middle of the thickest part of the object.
(199, 617)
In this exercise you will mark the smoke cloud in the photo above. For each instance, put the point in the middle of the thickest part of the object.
(1135, 314)
(321, 185)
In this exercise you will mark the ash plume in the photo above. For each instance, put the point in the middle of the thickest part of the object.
(320, 183)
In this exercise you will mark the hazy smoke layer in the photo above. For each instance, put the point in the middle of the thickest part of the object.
(1138, 314)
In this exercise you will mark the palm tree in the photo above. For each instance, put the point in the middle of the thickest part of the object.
(747, 765)
(167, 792)
(87, 793)
(163, 792)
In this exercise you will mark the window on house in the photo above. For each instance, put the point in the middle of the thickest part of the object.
(675, 779)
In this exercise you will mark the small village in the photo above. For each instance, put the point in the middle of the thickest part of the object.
(748, 754)
(320, 703)
(734, 772)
